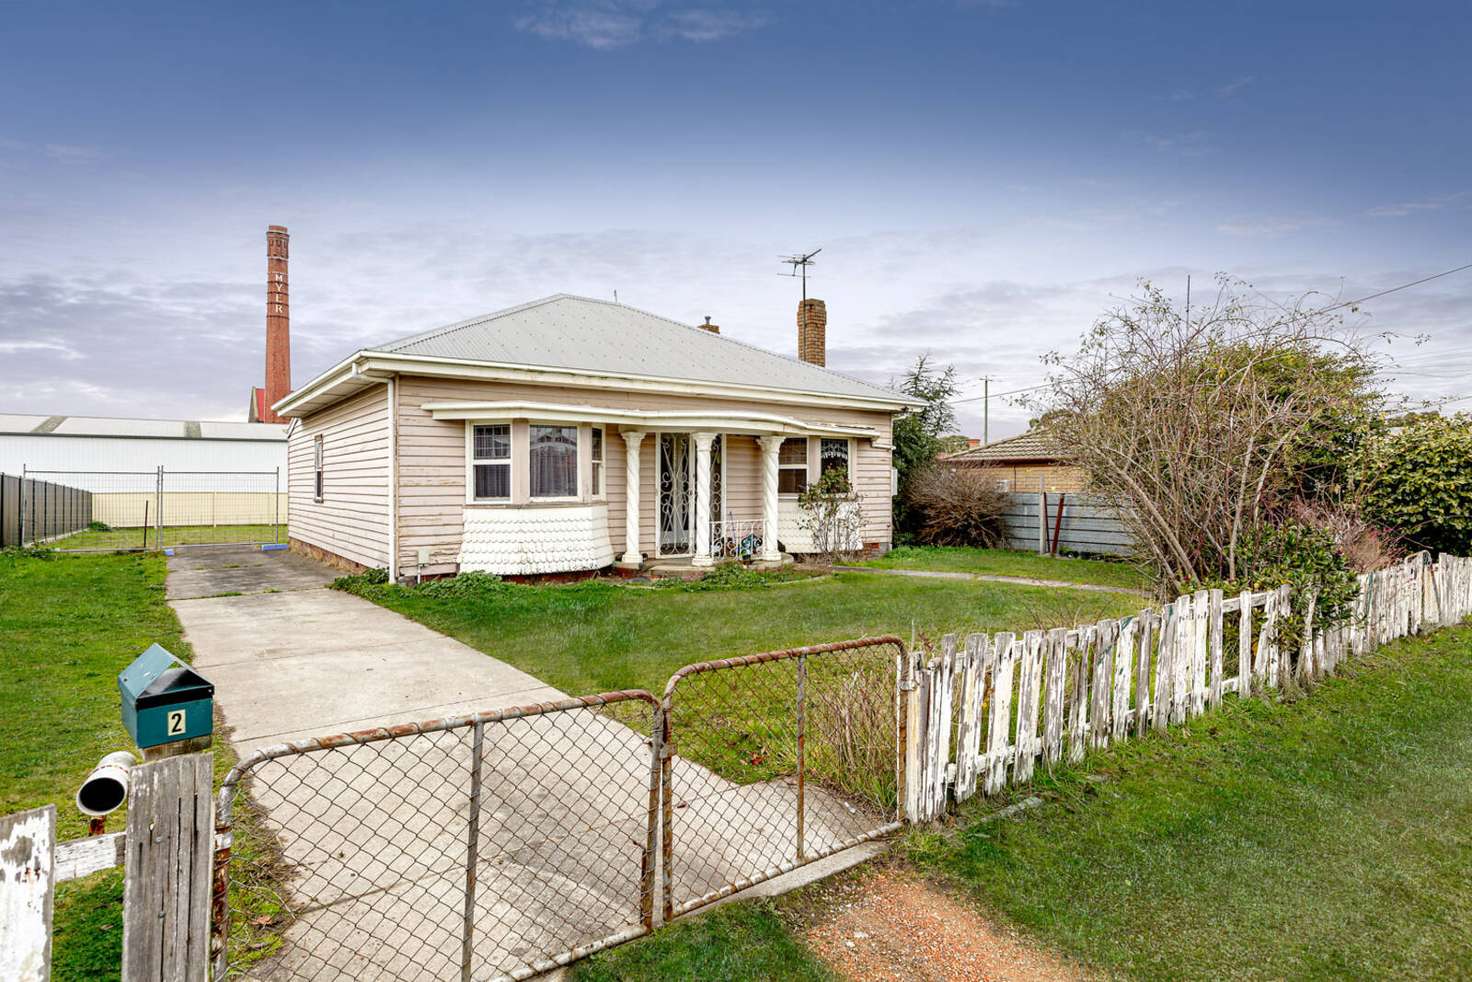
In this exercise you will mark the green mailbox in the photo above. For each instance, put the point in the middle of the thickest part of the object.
(165, 700)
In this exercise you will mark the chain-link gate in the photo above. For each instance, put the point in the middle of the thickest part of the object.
(497, 845)
(110, 511)
(775, 760)
(504, 844)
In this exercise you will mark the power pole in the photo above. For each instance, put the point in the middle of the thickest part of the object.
(986, 410)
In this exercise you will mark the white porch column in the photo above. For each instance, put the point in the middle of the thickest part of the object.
(632, 556)
(771, 447)
(702, 498)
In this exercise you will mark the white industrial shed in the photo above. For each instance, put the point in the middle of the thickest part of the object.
(92, 443)
(196, 473)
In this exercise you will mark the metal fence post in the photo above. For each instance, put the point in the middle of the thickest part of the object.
(158, 510)
(276, 504)
(472, 853)
(652, 819)
(802, 685)
(22, 495)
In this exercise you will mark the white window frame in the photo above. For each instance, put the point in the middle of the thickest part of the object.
(577, 490)
(806, 465)
(818, 459)
(319, 469)
(598, 465)
(471, 461)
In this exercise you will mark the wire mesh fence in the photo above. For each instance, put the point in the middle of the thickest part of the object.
(775, 760)
(107, 511)
(498, 845)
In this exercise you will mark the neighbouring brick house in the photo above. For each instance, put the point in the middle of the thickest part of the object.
(572, 434)
(1027, 462)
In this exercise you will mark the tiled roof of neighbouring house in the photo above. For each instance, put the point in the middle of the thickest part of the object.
(588, 335)
(1032, 445)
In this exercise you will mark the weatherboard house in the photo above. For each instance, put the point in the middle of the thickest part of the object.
(571, 434)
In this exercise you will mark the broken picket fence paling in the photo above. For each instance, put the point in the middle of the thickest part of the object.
(1082, 688)
(503, 844)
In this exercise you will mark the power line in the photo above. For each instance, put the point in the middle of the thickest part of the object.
(1321, 310)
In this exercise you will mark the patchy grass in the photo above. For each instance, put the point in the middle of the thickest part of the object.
(174, 535)
(598, 635)
(68, 625)
(1328, 837)
(735, 943)
(1011, 562)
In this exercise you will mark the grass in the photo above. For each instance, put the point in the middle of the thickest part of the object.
(736, 943)
(1011, 562)
(1323, 838)
(68, 625)
(174, 535)
(598, 636)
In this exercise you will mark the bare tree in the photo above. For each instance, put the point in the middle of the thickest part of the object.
(1188, 423)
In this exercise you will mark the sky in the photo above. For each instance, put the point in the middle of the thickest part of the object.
(984, 178)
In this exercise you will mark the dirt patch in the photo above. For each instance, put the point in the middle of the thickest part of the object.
(889, 924)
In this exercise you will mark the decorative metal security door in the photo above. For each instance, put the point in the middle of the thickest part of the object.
(675, 481)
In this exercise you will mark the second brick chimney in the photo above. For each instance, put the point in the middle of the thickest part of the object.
(278, 319)
(812, 327)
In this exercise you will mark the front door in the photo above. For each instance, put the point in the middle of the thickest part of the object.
(675, 528)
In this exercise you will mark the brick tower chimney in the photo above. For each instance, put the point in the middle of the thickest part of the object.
(278, 329)
(812, 325)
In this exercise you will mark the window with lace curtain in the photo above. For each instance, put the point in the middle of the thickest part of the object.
(553, 461)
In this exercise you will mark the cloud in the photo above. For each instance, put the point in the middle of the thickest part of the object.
(1191, 143)
(1269, 227)
(607, 24)
(1233, 87)
(22, 346)
(1436, 203)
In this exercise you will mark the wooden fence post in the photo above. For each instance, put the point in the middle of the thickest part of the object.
(27, 867)
(166, 896)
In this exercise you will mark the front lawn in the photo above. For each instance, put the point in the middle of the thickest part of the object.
(68, 625)
(1012, 562)
(599, 636)
(1330, 837)
(113, 539)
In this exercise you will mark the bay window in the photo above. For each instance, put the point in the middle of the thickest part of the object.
(553, 461)
(491, 456)
(596, 452)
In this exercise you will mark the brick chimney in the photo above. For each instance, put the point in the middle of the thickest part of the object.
(278, 323)
(812, 325)
(712, 328)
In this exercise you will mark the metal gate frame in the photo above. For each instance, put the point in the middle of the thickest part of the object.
(224, 821)
(801, 856)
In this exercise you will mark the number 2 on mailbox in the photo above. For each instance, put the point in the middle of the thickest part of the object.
(176, 722)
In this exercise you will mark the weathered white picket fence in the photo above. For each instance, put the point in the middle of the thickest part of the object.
(975, 708)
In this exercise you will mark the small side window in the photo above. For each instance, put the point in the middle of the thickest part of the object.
(317, 485)
(597, 445)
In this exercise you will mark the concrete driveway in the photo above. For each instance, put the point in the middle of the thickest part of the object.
(375, 834)
(290, 659)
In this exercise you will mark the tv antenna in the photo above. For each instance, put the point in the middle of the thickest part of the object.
(800, 264)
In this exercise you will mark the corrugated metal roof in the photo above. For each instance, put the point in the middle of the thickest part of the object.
(178, 429)
(584, 334)
(1032, 445)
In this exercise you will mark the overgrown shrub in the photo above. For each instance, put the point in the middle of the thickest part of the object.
(1307, 559)
(98, 527)
(957, 507)
(355, 582)
(1417, 480)
(1365, 547)
(830, 515)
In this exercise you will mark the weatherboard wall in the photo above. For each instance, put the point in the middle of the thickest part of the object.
(352, 519)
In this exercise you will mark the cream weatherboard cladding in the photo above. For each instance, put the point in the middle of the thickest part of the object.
(432, 463)
(352, 519)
